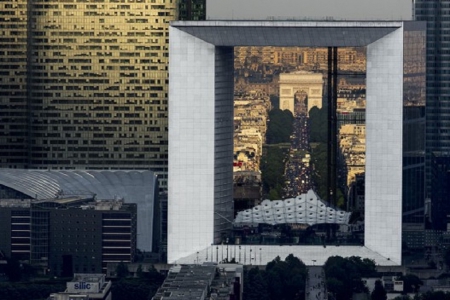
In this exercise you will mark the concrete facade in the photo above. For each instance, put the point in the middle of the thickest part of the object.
(198, 118)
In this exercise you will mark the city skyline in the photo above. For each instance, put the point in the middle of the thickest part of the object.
(85, 85)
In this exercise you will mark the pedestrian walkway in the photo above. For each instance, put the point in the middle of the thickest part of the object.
(315, 284)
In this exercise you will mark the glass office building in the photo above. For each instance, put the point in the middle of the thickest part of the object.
(84, 84)
(194, 10)
(436, 13)
(414, 97)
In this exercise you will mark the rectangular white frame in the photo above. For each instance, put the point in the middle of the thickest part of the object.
(192, 110)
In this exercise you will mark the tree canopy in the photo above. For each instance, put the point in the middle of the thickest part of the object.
(447, 258)
(281, 280)
(430, 295)
(280, 126)
(411, 283)
(318, 135)
(272, 170)
(318, 125)
(30, 291)
(343, 275)
(122, 270)
(143, 287)
(378, 293)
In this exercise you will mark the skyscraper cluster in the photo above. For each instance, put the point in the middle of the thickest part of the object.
(84, 83)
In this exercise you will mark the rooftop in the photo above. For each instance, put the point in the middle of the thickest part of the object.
(88, 277)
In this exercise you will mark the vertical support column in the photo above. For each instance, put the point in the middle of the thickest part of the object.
(384, 146)
(329, 110)
(332, 129)
(223, 143)
(193, 148)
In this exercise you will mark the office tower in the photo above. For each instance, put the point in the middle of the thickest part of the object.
(135, 187)
(193, 10)
(13, 84)
(84, 84)
(414, 89)
(440, 183)
(435, 12)
(72, 234)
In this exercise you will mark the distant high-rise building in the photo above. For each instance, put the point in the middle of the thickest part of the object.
(83, 84)
(440, 184)
(435, 13)
(193, 10)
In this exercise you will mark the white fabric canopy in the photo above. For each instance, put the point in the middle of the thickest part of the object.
(304, 209)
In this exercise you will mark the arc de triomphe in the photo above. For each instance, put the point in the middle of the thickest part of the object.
(291, 83)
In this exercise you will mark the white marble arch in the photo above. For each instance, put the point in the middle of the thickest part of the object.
(197, 92)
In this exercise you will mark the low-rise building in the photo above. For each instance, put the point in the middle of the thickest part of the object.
(199, 282)
(85, 287)
(68, 234)
(134, 186)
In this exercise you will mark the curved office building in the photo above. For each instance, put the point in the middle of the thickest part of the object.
(134, 186)
(304, 209)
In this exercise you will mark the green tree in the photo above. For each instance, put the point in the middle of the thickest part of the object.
(255, 285)
(30, 291)
(344, 275)
(378, 293)
(132, 288)
(319, 161)
(447, 258)
(272, 169)
(275, 100)
(138, 288)
(139, 272)
(122, 270)
(436, 295)
(295, 283)
(13, 270)
(411, 283)
(273, 195)
(366, 267)
(318, 125)
(281, 280)
(280, 126)
(287, 278)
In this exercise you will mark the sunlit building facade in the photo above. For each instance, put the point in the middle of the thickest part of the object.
(84, 84)
(13, 83)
